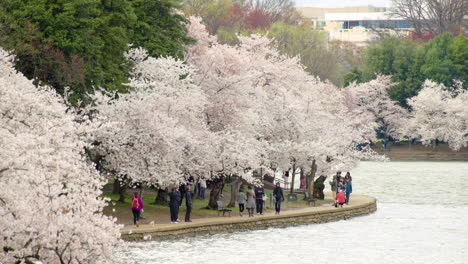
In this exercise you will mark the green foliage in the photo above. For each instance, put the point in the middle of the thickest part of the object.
(329, 61)
(438, 65)
(459, 56)
(81, 43)
(159, 29)
(226, 36)
(354, 76)
(442, 59)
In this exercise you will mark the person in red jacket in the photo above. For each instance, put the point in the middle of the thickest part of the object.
(137, 206)
(340, 197)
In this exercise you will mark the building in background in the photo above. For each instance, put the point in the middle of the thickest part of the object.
(359, 25)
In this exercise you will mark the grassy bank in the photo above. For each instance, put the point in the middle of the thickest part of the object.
(161, 214)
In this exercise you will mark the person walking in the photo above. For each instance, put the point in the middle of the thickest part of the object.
(279, 197)
(174, 203)
(241, 201)
(137, 206)
(188, 203)
(202, 188)
(259, 193)
(250, 201)
(349, 186)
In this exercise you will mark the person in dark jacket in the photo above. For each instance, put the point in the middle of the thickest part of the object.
(182, 193)
(278, 194)
(188, 203)
(259, 193)
(174, 202)
(349, 186)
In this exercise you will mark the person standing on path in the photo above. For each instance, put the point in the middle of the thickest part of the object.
(250, 201)
(334, 184)
(182, 193)
(349, 186)
(174, 203)
(279, 197)
(341, 186)
(137, 206)
(202, 188)
(259, 192)
(188, 203)
(241, 200)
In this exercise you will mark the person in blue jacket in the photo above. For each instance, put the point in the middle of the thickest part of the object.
(259, 193)
(349, 186)
(174, 204)
(279, 197)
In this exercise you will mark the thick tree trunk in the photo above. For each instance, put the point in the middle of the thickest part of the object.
(116, 187)
(235, 186)
(319, 185)
(120, 188)
(311, 178)
(293, 176)
(161, 197)
(215, 192)
(196, 190)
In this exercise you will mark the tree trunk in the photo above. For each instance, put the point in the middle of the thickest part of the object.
(235, 186)
(215, 192)
(293, 176)
(161, 197)
(116, 187)
(311, 178)
(196, 190)
(120, 188)
(319, 185)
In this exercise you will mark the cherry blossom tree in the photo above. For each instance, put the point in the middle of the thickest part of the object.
(156, 133)
(373, 98)
(439, 113)
(270, 100)
(49, 206)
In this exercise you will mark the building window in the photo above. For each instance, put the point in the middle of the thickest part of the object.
(321, 24)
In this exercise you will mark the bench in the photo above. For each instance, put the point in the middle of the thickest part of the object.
(309, 199)
(221, 208)
(292, 197)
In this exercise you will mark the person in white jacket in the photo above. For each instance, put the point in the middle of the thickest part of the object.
(202, 188)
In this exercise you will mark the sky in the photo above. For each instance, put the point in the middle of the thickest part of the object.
(342, 3)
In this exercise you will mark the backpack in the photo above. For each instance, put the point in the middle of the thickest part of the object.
(135, 203)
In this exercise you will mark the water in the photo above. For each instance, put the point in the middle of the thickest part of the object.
(422, 217)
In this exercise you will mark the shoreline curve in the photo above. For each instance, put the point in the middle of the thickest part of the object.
(359, 205)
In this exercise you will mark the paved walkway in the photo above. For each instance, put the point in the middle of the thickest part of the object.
(356, 202)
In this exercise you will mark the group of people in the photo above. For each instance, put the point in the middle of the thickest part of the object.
(255, 199)
(344, 188)
(175, 201)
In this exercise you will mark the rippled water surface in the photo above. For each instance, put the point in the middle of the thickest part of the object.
(422, 217)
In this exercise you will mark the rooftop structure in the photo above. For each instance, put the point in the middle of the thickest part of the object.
(355, 24)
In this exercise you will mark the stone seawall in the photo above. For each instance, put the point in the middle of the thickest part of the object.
(359, 205)
(423, 153)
